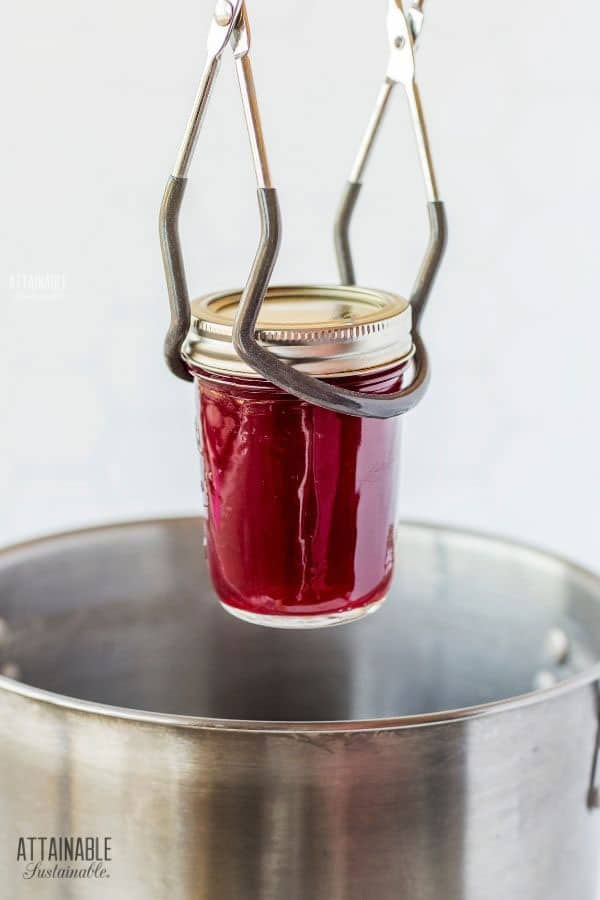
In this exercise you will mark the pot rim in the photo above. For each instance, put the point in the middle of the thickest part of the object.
(396, 723)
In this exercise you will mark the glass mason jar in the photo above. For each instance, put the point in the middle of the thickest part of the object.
(301, 501)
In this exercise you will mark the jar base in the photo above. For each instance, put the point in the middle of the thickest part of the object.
(304, 623)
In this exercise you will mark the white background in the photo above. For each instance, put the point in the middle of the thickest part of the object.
(95, 98)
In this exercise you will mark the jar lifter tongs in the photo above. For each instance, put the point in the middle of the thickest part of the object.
(230, 26)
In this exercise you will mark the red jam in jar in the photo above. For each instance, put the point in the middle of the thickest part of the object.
(301, 501)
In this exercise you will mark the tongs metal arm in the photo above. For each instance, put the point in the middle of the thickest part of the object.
(322, 393)
(229, 27)
(332, 396)
(404, 29)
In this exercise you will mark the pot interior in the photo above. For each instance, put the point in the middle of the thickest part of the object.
(126, 616)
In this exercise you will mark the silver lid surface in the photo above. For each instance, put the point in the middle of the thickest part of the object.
(322, 330)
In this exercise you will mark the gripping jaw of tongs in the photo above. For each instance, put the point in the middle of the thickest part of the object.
(230, 27)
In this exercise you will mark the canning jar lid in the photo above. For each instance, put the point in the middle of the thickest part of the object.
(321, 330)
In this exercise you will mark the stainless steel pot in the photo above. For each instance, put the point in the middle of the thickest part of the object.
(413, 755)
